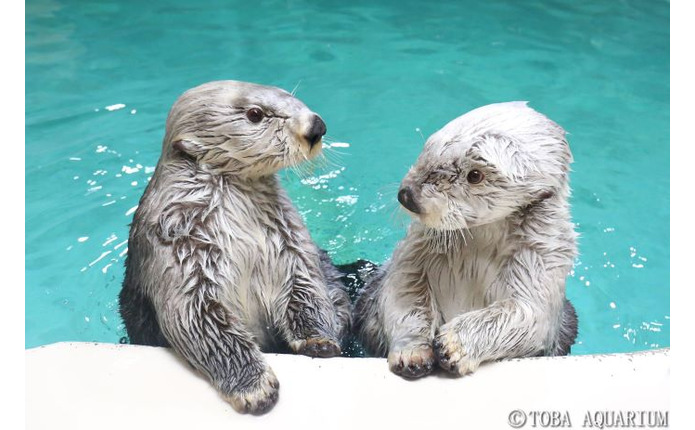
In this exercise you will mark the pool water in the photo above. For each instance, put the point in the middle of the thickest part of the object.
(101, 76)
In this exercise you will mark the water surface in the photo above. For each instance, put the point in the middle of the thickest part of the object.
(101, 76)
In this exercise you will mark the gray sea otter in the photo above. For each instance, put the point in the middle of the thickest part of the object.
(220, 265)
(481, 273)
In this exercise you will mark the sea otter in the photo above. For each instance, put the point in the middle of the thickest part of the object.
(220, 265)
(480, 275)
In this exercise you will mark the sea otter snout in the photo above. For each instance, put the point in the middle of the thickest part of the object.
(406, 197)
(316, 131)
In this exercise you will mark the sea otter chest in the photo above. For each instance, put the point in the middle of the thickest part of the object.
(254, 239)
(460, 278)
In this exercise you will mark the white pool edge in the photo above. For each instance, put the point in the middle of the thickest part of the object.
(88, 385)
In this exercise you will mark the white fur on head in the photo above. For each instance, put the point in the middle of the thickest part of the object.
(210, 124)
(522, 154)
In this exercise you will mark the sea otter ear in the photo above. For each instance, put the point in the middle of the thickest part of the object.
(186, 146)
(544, 195)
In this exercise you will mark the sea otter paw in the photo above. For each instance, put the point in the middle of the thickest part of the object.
(257, 398)
(316, 347)
(413, 362)
(452, 355)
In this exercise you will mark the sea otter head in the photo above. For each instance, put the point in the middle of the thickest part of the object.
(486, 165)
(243, 129)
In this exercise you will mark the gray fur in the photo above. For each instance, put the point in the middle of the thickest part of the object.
(220, 265)
(480, 275)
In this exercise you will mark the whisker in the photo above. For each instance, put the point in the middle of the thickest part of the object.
(333, 155)
(302, 169)
(331, 146)
(297, 172)
(305, 167)
(327, 163)
(470, 233)
(390, 189)
(339, 153)
(463, 236)
(397, 216)
(317, 165)
(296, 87)
(329, 138)
(417, 129)
(332, 143)
(286, 174)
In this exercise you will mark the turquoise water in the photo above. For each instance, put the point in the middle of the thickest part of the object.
(101, 76)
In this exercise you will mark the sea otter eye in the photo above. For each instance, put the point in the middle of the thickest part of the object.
(475, 177)
(254, 115)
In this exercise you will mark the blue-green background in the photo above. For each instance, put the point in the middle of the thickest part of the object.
(382, 75)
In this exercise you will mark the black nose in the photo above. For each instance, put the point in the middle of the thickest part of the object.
(406, 198)
(317, 130)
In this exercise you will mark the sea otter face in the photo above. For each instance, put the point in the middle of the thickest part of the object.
(486, 165)
(244, 129)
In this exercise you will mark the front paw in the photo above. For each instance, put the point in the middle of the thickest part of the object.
(258, 397)
(316, 347)
(452, 355)
(412, 363)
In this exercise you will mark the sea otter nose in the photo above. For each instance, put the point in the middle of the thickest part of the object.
(317, 130)
(406, 198)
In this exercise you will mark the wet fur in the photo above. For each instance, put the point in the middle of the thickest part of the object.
(480, 275)
(220, 265)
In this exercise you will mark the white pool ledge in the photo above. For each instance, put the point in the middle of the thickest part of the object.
(106, 386)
